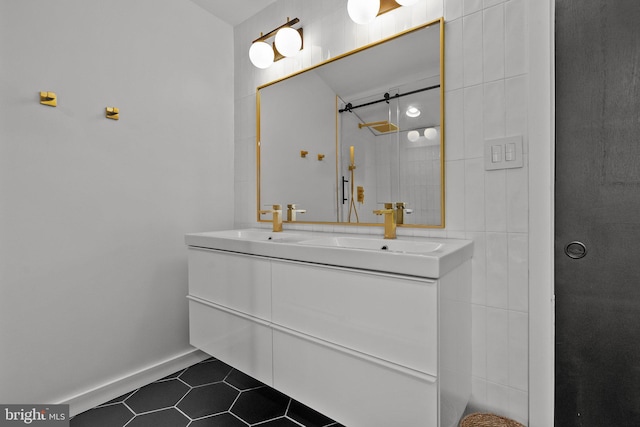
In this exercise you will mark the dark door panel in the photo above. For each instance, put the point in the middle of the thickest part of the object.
(597, 204)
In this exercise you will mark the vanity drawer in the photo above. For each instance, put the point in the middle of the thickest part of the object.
(239, 282)
(387, 316)
(241, 342)
(355, 391)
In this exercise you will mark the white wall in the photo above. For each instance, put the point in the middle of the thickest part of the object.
(490, 93)
(93, 212)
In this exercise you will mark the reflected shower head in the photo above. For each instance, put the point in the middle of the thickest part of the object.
(382, 127)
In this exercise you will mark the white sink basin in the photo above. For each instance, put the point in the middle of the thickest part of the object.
(424, 257)
(258, 235)
(374, 244)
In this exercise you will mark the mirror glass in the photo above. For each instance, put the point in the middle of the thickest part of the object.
(340, 139)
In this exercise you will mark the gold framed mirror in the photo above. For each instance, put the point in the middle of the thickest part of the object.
(337, 140)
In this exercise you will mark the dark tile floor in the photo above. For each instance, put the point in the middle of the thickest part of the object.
(207, 394)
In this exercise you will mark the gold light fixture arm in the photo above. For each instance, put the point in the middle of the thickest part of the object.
(273, 32)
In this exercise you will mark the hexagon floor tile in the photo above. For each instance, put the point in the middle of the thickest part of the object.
(207, 394)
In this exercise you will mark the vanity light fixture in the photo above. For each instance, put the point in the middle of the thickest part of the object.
(288, 42)
(365, 11)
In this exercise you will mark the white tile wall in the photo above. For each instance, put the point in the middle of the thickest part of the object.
(486, 97)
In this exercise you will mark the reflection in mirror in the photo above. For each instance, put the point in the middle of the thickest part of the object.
(339, 139)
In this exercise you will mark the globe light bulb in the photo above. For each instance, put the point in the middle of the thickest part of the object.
(363, 11)
(413, 135)
(288, 41)
(261, 54)
(431, 133)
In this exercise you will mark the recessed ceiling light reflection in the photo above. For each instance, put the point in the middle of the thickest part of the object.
(413, 112)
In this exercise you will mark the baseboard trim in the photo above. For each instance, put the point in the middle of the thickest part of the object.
(112, 389)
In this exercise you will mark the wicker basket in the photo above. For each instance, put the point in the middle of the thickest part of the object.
(488, 420)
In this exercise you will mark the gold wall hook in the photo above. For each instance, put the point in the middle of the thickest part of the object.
(303, 153)
(112, 113)
(49, 98)
(320, 157)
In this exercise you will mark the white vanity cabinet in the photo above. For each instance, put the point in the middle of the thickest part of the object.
(366, 348)
(230, 309)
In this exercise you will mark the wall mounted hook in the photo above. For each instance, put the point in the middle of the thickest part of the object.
(320, 157)
(49, 98)
(303, 153)
(112, 113)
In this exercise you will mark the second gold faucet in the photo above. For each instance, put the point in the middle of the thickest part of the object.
(389, 220)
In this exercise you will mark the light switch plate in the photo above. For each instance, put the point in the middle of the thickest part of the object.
(503, 153)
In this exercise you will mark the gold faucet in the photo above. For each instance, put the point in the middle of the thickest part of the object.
(389, 220)
(400, 206)
(292, 211)
(276, 215)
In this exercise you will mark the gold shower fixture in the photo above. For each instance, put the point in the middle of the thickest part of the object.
(382, 126)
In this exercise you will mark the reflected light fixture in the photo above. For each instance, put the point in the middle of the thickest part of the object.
(413, 135)
(412, 112)
(288, 42)
(431, 133)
